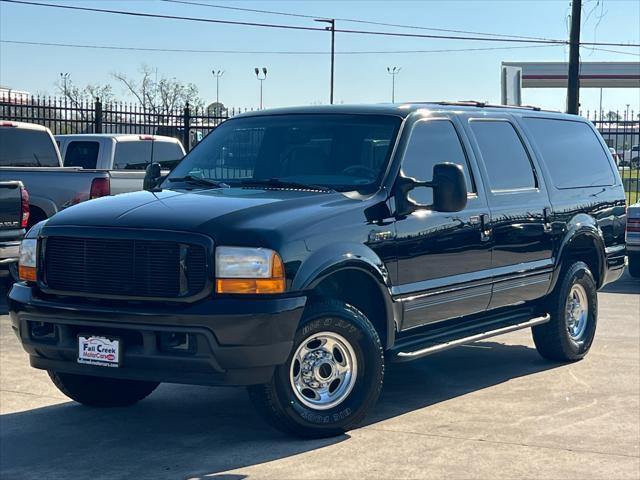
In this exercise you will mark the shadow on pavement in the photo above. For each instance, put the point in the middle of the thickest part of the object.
(192, 432)
(627, 284)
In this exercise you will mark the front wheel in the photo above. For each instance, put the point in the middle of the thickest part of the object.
(573, 307)
(332, 377)
(101, 391)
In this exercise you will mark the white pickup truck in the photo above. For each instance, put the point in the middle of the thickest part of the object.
(125, 156)
(633, 239)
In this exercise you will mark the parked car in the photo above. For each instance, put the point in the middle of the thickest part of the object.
(126, 156)
(298, 250)
(631, 157)
(14, 217)
(616, 157)
(28, 153)
(633, 239)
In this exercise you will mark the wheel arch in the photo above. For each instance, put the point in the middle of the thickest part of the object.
(326, 273)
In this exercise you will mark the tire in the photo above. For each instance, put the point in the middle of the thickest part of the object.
(101, 391)
(289, 405)
(563, 338)
(634, 265)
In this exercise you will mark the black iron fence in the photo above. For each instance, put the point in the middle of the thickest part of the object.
(620, 130)
(64, 116)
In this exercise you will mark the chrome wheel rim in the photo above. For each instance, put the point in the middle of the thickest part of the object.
(323, 370)
(577, 311)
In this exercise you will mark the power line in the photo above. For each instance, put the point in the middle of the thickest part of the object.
(265, 52)
(350, 20)
(282, 26)
(317, 29)
(616, 51)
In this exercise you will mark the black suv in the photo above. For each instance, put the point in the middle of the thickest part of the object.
(296, 251)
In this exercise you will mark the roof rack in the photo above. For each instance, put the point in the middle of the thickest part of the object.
(475, 103)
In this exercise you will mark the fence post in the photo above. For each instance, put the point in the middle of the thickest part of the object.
(98, 116)
(186, 125)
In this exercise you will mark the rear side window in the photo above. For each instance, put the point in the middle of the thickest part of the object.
(20, 147)
(572, 152)
(82, 154)
(132, 155)
(166, 151)
(505, 158)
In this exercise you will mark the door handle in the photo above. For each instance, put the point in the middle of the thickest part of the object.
(485, 228)
(546, 214)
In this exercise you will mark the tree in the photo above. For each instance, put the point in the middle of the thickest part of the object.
(612, 116)
(76, 95)
(217, 109)
(160, 94)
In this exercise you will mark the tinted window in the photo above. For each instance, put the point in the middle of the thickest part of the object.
(82, 154)
(166, 151)
(132, 155)
(21, 147)
(432, 142)
(345, 152)
(572, 153)
(505, 158)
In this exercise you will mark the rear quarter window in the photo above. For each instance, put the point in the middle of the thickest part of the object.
(82, 154)
(21, 147)
(572, 153)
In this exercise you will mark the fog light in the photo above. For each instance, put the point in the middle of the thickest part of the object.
(42, 331)
(177, 342)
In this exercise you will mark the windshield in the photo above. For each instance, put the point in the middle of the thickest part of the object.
(343, 152)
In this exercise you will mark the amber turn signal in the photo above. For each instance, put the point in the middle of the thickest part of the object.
(27, 274)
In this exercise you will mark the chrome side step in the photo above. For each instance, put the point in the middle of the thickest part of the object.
(439, 347)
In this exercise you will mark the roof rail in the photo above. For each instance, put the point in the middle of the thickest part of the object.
(476, 103)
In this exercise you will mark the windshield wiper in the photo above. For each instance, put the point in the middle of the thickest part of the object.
(277, 183)
(199, 181)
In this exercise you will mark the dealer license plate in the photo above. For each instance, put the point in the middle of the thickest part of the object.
(102, 351)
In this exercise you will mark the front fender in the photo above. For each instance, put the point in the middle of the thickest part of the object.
(345, 256)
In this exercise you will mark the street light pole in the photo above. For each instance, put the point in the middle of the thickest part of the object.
(332, 29)
(64, 77)
(393, 71)
(217, 74)
(262, 79)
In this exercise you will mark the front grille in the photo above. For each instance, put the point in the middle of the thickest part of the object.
(124, 267)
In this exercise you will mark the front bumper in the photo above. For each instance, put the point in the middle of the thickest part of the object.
(232, 341)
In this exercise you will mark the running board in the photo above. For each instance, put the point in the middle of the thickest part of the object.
(439, 347)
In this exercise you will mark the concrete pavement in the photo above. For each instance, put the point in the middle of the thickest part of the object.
(494, 409)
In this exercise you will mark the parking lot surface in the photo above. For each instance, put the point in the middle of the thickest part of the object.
(494, 409)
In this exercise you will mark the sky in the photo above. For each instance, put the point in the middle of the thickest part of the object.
(304, 79)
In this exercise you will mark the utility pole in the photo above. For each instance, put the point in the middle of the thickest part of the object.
(393, 71)
(332, 29)
(573, 87)
(262, 79)
(217, 74)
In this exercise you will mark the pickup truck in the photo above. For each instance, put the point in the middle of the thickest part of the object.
(125, 156)
(633, 239)
(298, 251)
(28, 153)
(14, 217)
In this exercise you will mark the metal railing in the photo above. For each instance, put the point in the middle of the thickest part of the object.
(64, 116)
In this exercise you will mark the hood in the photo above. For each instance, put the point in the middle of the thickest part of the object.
(211, 212)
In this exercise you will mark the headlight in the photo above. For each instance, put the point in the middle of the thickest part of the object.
(27, 261)
(248, 270)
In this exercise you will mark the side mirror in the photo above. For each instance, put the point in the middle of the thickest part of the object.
(151, 176)
(449, 190)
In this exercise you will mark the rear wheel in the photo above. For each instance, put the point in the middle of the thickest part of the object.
(634, 264)
(332, 377)
(101, 391)
(573, 307)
